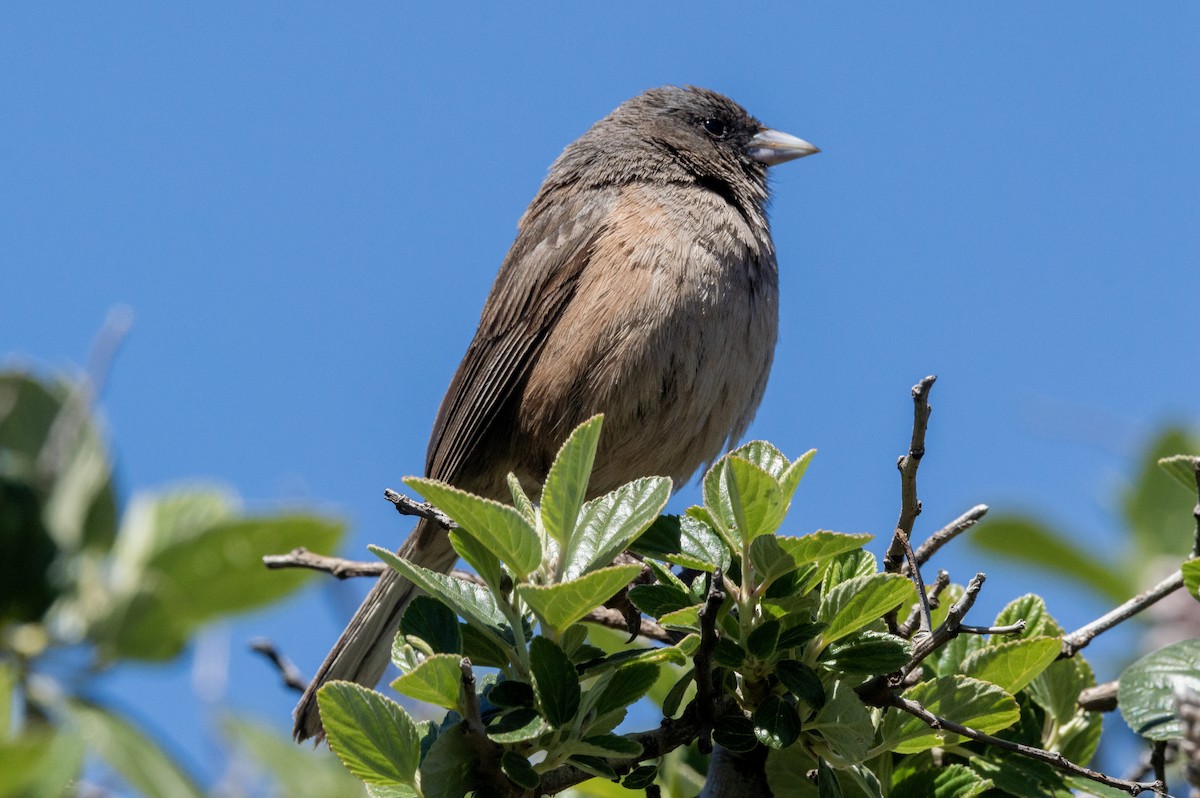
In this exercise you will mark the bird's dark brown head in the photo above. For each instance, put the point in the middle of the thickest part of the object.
(684, 135)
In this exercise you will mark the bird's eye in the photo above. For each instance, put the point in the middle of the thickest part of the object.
(715, 127)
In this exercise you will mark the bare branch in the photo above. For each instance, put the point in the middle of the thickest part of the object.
(911, 623)
(1079, 639)
(1052, 758)
(287, 669)
(947, 533)
(910, 506)
(1100, 698)
(475, 732)
(708, 644)
(335, 566)
(409, 506)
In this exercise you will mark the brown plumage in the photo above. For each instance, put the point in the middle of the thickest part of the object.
(642, 285)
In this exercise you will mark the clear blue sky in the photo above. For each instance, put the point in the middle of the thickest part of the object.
(305, 204)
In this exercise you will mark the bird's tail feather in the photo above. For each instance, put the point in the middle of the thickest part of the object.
(363, 651)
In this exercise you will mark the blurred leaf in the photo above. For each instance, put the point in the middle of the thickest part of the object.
(156, 523)
(1013, 664)
(434, 622)
(1184, 467)
(1159, 514)
(294, 769)
(448, 770)
(435, 681)
(220, 570)
(501, 529)
(134, 755)
(969, 702)
(554, 681)
(857, 602)
(372, 735)
(607, 745)
(567, 481)
(1148, 686)
(608, 524)
(565, 603)
(1028, 540)
(40, 765)
(469, 600)
(27, 552)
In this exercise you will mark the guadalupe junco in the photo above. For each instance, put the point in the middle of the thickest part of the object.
(642, 285)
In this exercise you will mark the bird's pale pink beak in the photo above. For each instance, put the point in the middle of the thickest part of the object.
(774, 147)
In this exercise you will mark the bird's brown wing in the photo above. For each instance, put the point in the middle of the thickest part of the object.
(537, 280)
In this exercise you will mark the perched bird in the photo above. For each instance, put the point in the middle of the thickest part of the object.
(642, 285)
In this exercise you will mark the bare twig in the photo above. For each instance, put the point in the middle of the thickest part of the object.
(287, 670)
(947, 533)
(1100, 698)
(912, 622)
(910, 505)
(409, 506)
(1158, 762)
(1052, 758)
(1080, 638)
(1010, 629)
(476, 733)
(335, 566)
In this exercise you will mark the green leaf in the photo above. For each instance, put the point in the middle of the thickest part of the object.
(684, 620)
(845, 723)
(1012, 664)
(799, 634)
(608, 525)
(858, 562)
(563, 604)
(629, 684)
(567, 481)
(555, 683)
(519, 771)
(27, 554)
(501, 529)
(801, 681)
(776, 724)
(469, 600)
(1023, 777)
(130, 752)
(658, 600)
(372, 735)
(735, 732)
(432, 621)
(607, 745)
(640, 777)
(948, 781)
(857, 602)
(1184, 467)
(436, 681)
(594, 765)
(700, 548)
(756, 501)
(1191, 577)
(1028, 540)
(448, 770)
(761, 642)
(1147, 692)
(867, 652)
(516, 726)
(821, 545)
(483, 648)
(477, 555)
(520, 500)
(41, 763)
(1031, 609)
(966, 701)
(1057, 688)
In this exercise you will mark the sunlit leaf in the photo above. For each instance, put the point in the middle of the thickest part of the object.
(1148, 687)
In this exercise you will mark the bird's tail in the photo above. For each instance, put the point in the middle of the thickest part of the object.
(362, 652)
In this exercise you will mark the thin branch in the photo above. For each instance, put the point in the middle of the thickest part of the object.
(409, 506)
(910, 505)
(287, 669)
(1196, 509)
(1100, 698)
(335, 566)
(1158, 762)
(911, 623)
(476, 733)
(1052, 758)
(1010, 629)
(948, 533)
(1079, 639)
(708, 644)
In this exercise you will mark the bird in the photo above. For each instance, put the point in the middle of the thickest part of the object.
(643, 285)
